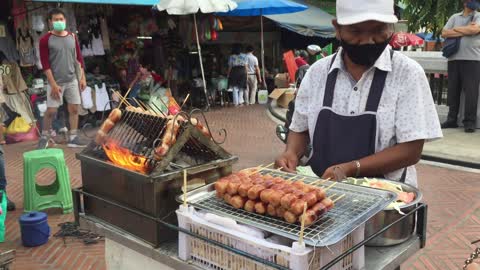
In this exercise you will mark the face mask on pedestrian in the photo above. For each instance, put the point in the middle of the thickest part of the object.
(366, 54)
(473, 5)
(59, 26)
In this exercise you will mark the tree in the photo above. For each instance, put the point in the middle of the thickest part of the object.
(430, 14)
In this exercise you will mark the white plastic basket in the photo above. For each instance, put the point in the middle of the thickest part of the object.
(209, 256)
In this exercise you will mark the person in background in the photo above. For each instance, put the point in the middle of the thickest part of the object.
(237, 74)
(464, 66)
(3, 177)
(301, 59)
(59, 53)
(253, 78)
(133, 67)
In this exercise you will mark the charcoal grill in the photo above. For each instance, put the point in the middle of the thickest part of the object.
(152, 191)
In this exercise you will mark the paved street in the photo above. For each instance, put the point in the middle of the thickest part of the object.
(453, 197)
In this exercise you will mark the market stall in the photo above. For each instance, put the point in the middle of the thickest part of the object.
(168, 197)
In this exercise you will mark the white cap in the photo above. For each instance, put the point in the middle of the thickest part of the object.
(357, 11)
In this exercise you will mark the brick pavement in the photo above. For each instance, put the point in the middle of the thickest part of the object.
(453, 198)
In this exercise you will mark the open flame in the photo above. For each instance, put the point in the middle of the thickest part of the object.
(125, 158)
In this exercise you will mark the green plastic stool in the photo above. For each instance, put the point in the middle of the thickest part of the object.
(56, 195)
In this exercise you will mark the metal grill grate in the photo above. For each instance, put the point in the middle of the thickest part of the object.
(141, 133)
(357, 206)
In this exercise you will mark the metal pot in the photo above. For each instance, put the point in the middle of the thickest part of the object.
(401, 231)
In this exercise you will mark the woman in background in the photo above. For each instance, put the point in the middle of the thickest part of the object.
(237, 74)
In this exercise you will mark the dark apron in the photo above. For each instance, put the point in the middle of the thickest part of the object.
(343, 138)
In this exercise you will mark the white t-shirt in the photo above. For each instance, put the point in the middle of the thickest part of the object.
(252, 62)
(406, 111)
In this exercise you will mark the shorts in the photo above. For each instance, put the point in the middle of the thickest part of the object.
(70, 91)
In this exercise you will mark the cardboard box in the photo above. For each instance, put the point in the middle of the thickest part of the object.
(283, 96)
(282, 80)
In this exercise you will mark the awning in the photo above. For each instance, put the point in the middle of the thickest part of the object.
(106, 2)
(313, 22)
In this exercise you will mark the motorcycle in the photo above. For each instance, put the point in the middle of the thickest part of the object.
(282, 130)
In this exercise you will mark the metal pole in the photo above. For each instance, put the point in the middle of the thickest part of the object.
(263, 48)
(201, 60)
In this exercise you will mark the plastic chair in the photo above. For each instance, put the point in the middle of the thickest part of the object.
(56, 195)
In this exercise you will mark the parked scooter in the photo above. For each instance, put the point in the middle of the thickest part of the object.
(282, 130)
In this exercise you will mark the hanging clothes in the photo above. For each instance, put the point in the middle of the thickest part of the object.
(105, 33)
(102, 100)
(97, 45)
(38, 25)
(7, 46)
(14, 81)
(36, 44)
(87, 50)
(25, 46)
(19, 13)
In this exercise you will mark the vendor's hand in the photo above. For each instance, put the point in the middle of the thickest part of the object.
(56, 91)
(339, 172)
(288, 161)
(83, 85)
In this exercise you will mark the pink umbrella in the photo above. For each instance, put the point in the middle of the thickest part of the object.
(402, 39)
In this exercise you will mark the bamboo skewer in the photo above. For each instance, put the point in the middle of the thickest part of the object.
(302, 228)
(124, 97)
(185, 101)
(139, 105)
(339, 198)
(185, 188)
(261, 169)
(332, 185)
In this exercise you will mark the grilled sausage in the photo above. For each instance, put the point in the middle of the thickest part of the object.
(290, 217)
(280, 212)
(266, 194)
(115, 115)
(276, 197)
(254, 192)
(232, 187)
(329, 204)
(107, 126)
(310, 217)
(271, 210)
(243, 189)
(227, 198)
(100, 137)
(297, 207)
(237, 202)
(261, 208)
(249, 206)
(221, 186)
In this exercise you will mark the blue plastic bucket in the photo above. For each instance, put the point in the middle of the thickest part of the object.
(34, 228)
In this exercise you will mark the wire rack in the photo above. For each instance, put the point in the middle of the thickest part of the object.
(357, 206)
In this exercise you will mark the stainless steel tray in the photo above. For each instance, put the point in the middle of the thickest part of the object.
(357, 206)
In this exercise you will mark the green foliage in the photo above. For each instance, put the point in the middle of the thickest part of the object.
(430, 14)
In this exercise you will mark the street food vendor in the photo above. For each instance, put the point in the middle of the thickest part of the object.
(366, 110)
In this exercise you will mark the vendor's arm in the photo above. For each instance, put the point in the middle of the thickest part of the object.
(416, 121)
(298, 136)
(391, 159)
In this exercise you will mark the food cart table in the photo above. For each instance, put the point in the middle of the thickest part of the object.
(123, 251)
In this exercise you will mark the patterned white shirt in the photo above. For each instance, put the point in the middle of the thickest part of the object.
(406, 112)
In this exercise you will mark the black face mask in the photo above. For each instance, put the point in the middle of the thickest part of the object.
(364, 55)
